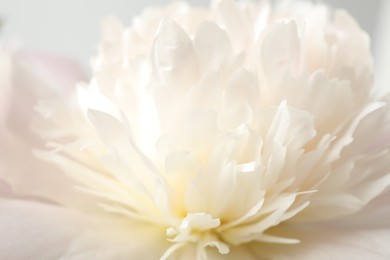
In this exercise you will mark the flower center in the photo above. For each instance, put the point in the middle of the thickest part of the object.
(196, 228)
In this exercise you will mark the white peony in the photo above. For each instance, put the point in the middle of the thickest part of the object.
(241, 131)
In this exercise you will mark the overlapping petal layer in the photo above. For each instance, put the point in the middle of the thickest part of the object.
(226, 130)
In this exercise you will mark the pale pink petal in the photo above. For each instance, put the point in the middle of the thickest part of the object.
(33, 77)
(5, 86)
(26, 78)
(5, 189)
(27, 176)
(32, 230)
(58, 72)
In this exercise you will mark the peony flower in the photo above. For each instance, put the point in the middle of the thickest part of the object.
(240, 131)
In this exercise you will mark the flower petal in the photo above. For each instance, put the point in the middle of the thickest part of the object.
(32, 230)
(173, 61)
(374, 215)
(330, 243)
(280, 49)
(59, 73)
(5, 87)
(29, 77)
(212, 46)
(238, 27)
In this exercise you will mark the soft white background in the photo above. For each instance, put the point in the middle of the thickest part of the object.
(72, 27)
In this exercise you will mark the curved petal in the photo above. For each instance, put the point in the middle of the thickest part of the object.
(31, 230)
(59, 73)
(27, 77)
(5, 189)
(375, 214)
(34, 76)
(330, 243)
(26, 176)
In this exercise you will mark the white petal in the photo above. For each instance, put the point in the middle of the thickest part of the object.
(374, 215)
(237, 252)
(125, 153)
(237, 25)
(207, 93)
(280, 49)
(173, 61)
(242, 88)
(212, 46)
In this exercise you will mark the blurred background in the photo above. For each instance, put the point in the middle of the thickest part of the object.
(72, 27)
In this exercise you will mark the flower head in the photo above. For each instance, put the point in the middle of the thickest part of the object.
(224, 130)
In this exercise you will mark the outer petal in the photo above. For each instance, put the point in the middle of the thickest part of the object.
(31, 230)
(326, 242)
(24, 175)
(26, 78)
(5, 189)
(375, 214)
(5, 87)
(32, 77)
(330, 242)
(57, 72)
